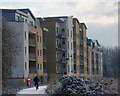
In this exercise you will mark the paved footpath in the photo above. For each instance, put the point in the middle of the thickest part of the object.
(33, 90)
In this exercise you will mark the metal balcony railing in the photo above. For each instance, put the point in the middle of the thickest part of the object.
(74, 38)
(32, 70)
(44, 46)
(74, 61)
(74, 50)
(81, 53)
(44, 59)
(32, 42)
(32, 57)
(81, 62)
(81, 41)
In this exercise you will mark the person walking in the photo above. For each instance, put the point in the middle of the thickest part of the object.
(36, 80)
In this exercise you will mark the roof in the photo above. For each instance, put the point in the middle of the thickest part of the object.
(76, 20)
(26, 11)
(84, 25)
(58, 19)
(14, 10)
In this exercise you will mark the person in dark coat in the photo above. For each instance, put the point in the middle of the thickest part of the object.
(36, 80)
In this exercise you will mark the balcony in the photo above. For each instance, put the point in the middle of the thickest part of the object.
(81, 62)
(64, 48)
(64, 60)
(44, 59)
(59, 60)
(81, 41)
(44, 46)
(58, 35)
(81, 53)
(32, 57)
(32, 70)
(63, 36)
(74, 61)
(32, 42)
(74, 50)
(74, 39)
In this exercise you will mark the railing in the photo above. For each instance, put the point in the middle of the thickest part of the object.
(32, 42)
(74, 38)
(81, 52)
(44, 46)
(74, 50)
(75, 61)
(64, 60)
(81, 62)
(32, 70)
(59, 60)
(44, 59)
(32, 57)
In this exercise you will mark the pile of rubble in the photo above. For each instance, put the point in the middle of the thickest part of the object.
(84, 86)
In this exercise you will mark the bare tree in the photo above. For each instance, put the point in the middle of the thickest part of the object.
(10, 48)
(110, 62)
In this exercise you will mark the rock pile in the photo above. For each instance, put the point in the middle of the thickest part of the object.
(84, 86)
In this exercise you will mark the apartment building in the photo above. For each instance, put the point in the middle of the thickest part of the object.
(29, 61)
(59, 44)
(87, 54)
(94, 58)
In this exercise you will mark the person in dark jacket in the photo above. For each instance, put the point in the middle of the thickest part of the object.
(36, 80)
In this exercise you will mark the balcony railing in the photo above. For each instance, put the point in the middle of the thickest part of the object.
(59, 60)
(74, 50)
(81, 53)
(81, 62)
(75, 61)
(81, 41)
(32, 70)
(32, 42)
(44, 59)
(44, 46)
(64, 60)
(32, 57)
(74, 38)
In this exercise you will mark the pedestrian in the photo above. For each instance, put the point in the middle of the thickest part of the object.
(36, 80)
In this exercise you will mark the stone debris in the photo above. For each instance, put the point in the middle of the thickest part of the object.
(84, 86)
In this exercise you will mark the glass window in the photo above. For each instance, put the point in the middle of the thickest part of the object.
(40, 66)
(25, 65)
(40, 52)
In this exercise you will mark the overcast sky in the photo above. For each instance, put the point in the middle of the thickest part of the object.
(101, 18)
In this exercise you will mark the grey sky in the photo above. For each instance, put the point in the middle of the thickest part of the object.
(101, 18)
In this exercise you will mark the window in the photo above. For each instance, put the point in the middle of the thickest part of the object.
(63, 29)
(40, 66)
(37, 37)
(63, 54)
(63, 42)
(25, 50)
(40, 38)
(57, 29)
(25, 65)
(71, 33)
(25, 34)
(68, 32)
(71, 45)
(38, 52)
(68, 44)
